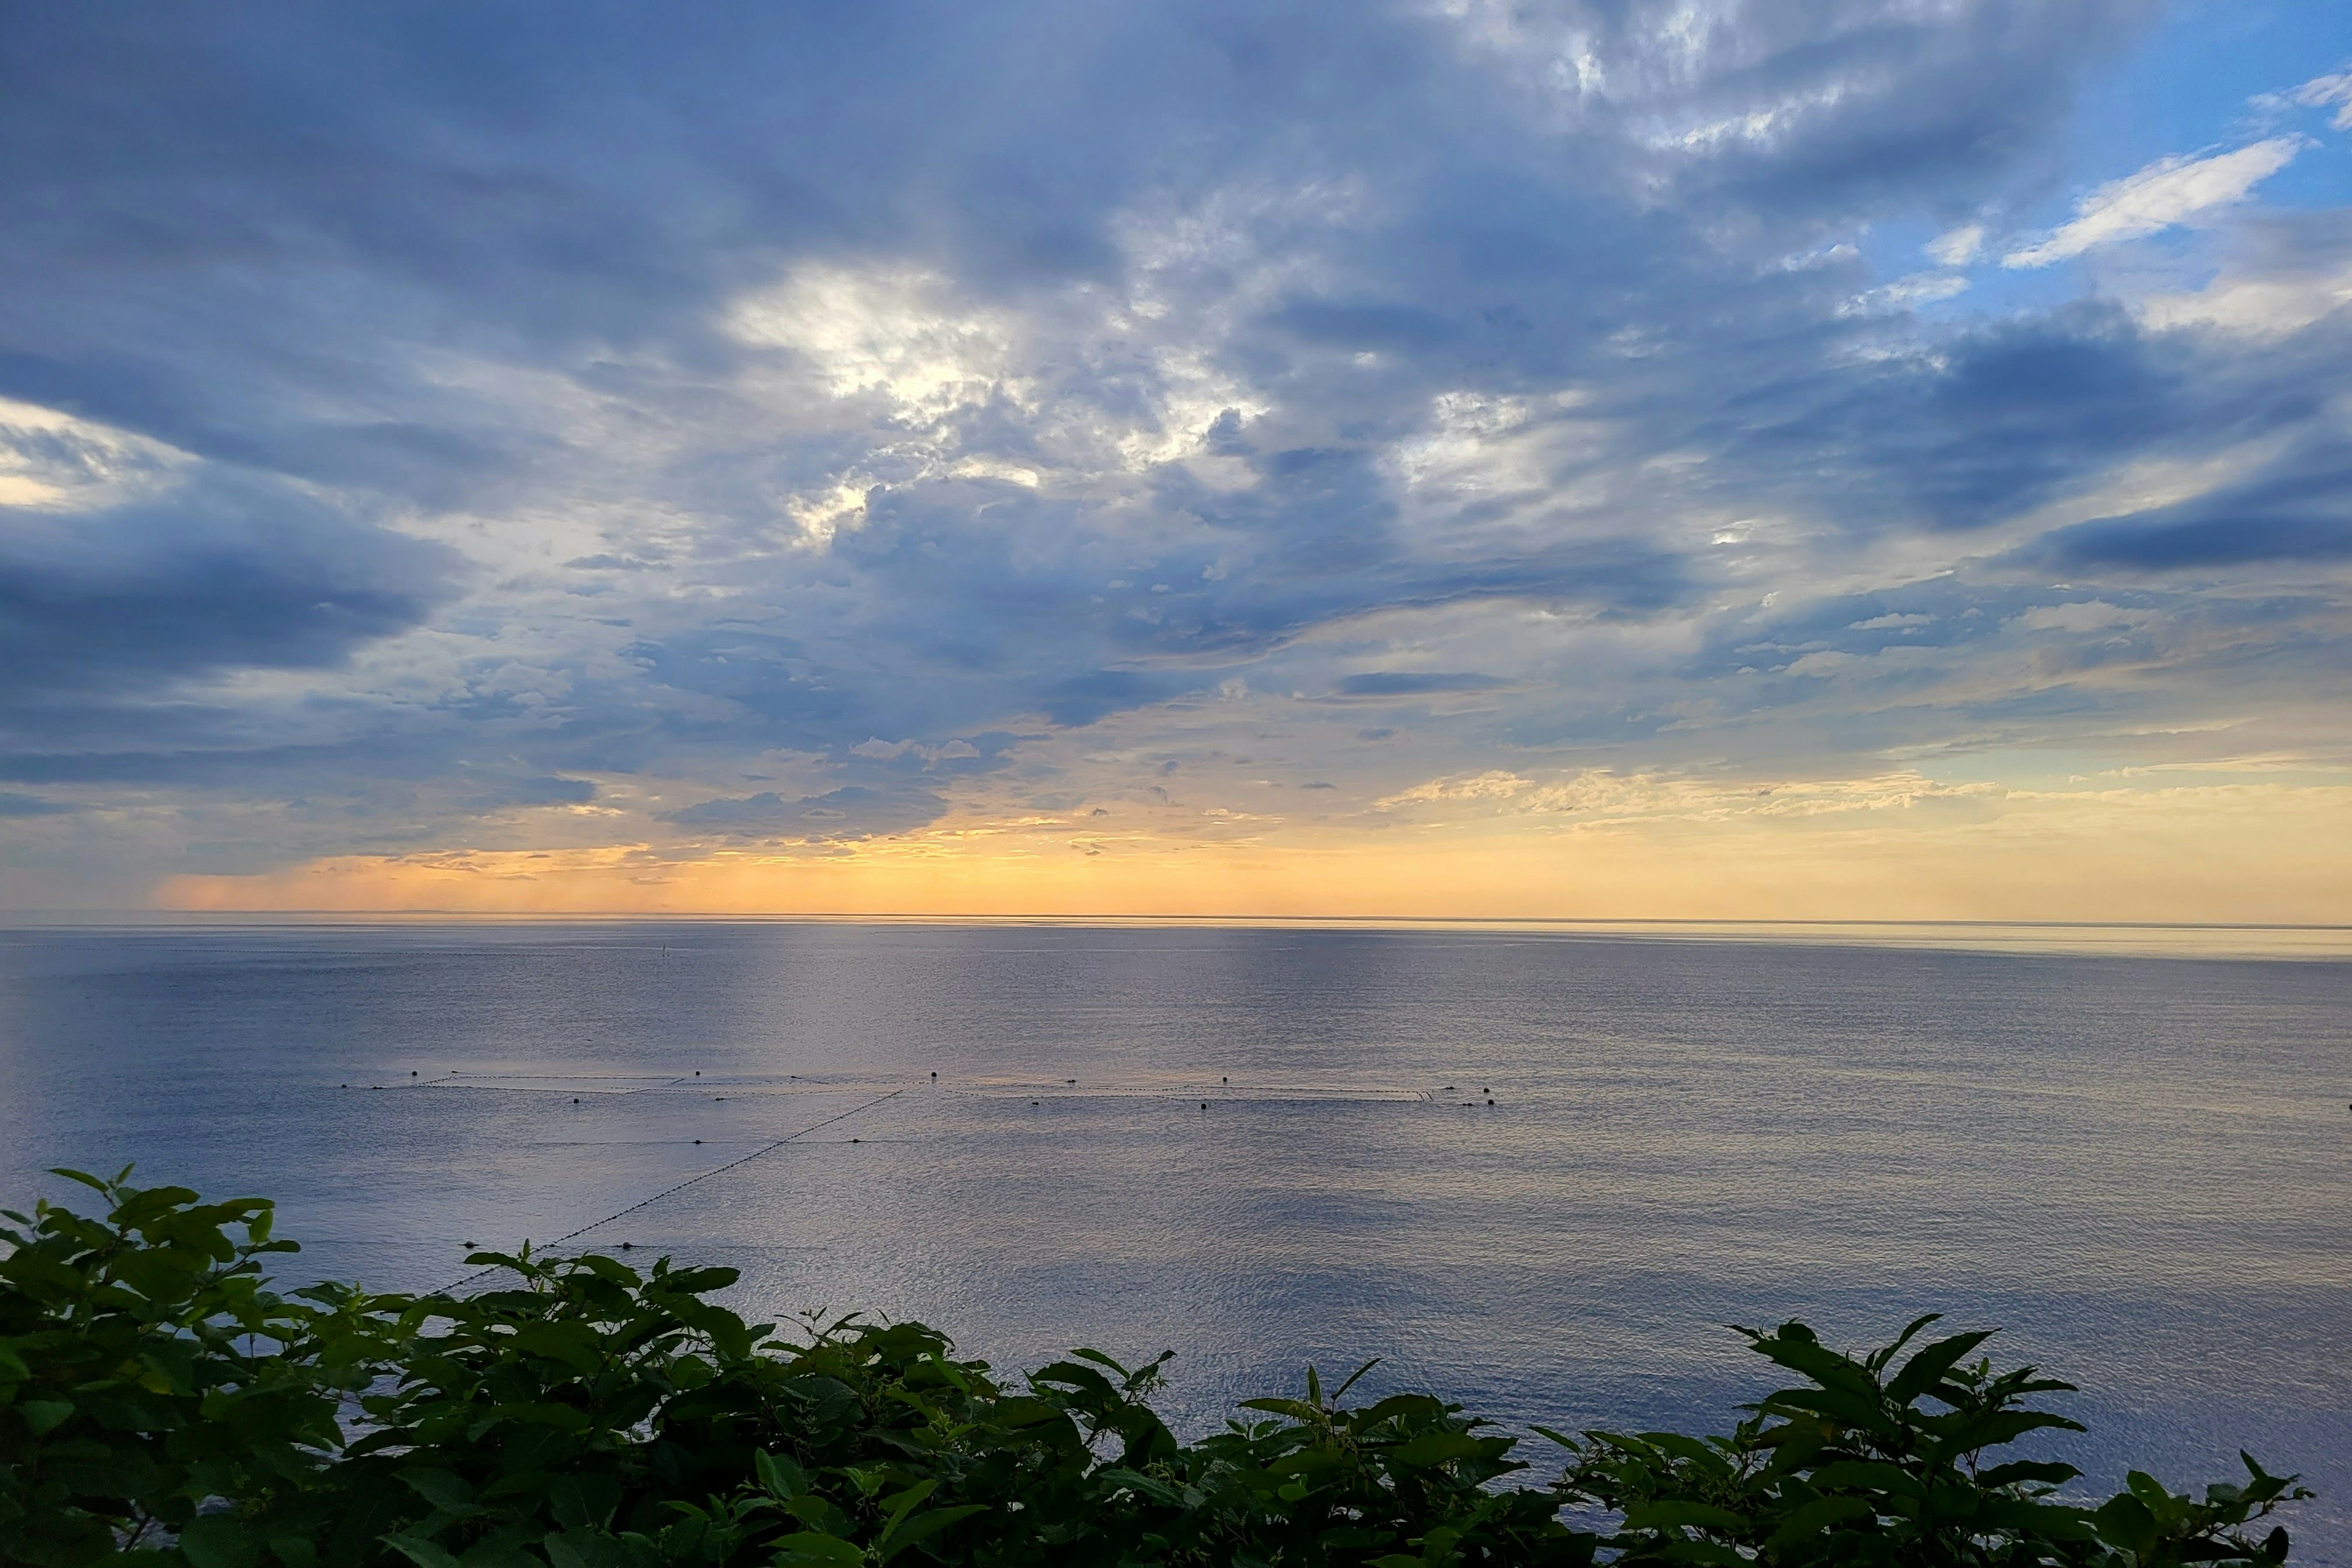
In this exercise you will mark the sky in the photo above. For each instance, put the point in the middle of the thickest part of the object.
(1717, 459)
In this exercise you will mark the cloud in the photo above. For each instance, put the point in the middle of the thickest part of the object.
(2276, 276)
(561, 420)
(2296, 512)
(14, 805)
(2167, 192)
(543, 790)
(1955, 248)
(1412, 683)
(851, 812)
(1602, 797)
(2321, 91)
(1083, 699)
(1920, 289)
(220, 572)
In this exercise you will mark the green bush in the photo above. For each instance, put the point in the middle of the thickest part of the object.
(158, 1402)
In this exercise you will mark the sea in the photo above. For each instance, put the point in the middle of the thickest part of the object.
(1540, 1171)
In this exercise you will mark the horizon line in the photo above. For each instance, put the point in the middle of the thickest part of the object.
(19, 919)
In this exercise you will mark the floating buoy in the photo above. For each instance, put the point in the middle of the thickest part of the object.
(853, 1140)
(697, 1142)
(626, 1244)
(575, 1100)
(1204, 1105)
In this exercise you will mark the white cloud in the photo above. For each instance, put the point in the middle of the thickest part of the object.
(1496, 784)
(1467, 434)
(897, 333)
(1958, 248)
(2255, 306)
(2168, 191)
(2084, 617)
(1920, 289)
(2322, 90)
(55, 461)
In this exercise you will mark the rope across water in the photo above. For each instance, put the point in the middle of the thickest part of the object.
(690, 1180)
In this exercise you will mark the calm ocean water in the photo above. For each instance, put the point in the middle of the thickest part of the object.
(2139, 1164)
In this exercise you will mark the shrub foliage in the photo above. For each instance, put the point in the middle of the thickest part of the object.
(161, 1406)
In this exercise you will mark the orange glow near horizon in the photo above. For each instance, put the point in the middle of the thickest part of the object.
(2218, 854)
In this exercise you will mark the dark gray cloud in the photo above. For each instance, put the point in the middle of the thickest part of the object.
(14, 805)
(2297, 509)
(2004, 416)
(1407, 683)
(222, 573)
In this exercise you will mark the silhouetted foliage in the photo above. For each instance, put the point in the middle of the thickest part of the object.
(160, 1408)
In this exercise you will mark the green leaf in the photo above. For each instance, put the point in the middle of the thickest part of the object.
(1115, 1477)
(815, 1549)
(778, 1473)
(583, 1502)
(1675, 1514)
(1815, 1517)
(424, 1553)
(698, 1282)
(906, 1532)
(2123, 1522)
(1867, 1475)
(573, 1344)
(582, 1549)
(1924, 1369)
(439, 1488)
(542, 1413)
(897, 1505)
(1341, 1392)
(44, 1415)
(819, 1513)
(1296, 1409)
(2050, 1473)
(1995, 1427)
(1438, 1448)
(1880, 1358)
(218, 1541)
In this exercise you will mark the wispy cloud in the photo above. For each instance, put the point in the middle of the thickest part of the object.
(2167, 192)
(2322, 92)
(1957, 246)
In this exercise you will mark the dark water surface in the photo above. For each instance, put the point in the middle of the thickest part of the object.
(2140, 1166)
